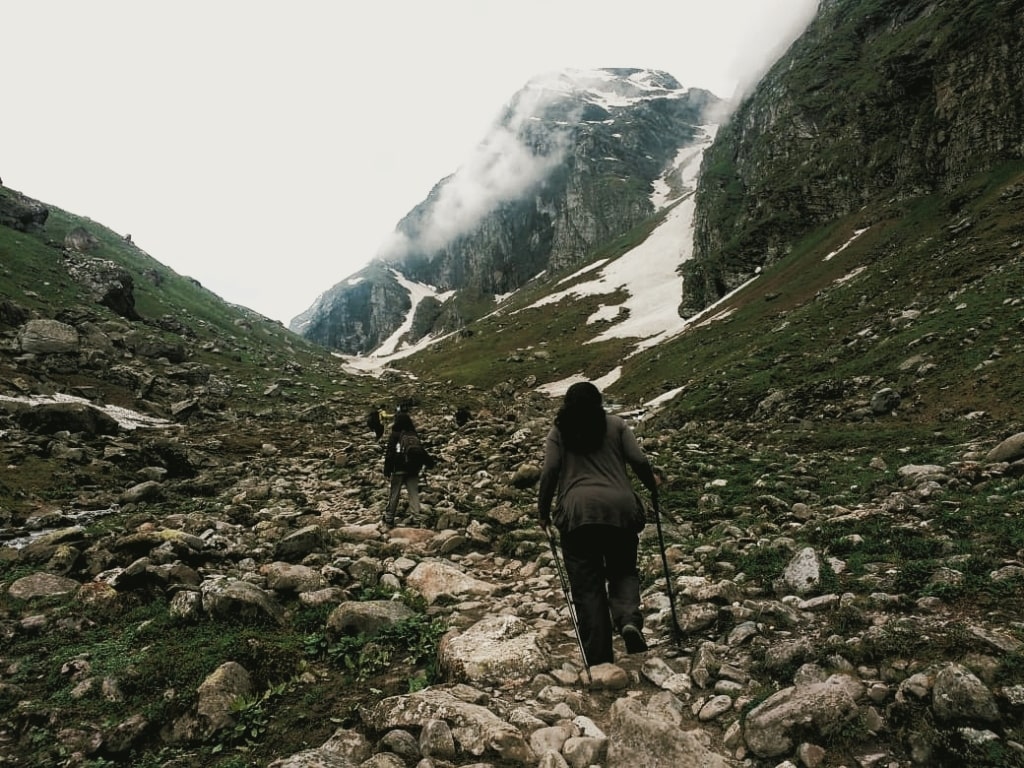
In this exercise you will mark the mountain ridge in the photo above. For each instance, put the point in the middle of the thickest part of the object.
(553, 179)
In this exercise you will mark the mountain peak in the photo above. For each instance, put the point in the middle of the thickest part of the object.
(569, 165)
(610, 87)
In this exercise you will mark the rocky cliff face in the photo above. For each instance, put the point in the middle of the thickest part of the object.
(892, 98)
(568, 167)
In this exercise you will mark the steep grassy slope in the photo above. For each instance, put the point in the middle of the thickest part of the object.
(188, 358)
(254, 350)
(927, 300)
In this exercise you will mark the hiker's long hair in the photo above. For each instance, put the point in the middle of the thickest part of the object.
(581, 419)
(403, 423)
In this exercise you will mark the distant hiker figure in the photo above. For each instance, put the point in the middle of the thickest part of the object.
(404, 458)
(598, 517)
(462, 415)
(375, 423)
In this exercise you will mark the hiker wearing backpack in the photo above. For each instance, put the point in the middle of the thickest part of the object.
(404, 458)
(375, 422)
(598, 517)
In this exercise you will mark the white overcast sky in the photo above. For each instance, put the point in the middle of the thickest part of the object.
(268, 149)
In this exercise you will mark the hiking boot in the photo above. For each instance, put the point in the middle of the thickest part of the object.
(634, 639)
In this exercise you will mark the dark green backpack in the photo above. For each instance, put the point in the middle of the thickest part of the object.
(416, 456)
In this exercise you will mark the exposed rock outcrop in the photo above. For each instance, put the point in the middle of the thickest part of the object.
(585, 150)
(927, 100)
(20, 212)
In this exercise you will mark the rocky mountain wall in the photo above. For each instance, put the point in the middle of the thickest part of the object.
(876, 100)
(563, 172)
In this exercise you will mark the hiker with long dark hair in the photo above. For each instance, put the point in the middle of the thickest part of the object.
(598, 517)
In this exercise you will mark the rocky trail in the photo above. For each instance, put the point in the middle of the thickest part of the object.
(828, 661)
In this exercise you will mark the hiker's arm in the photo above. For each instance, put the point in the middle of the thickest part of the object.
(639, 462)
(549, 478)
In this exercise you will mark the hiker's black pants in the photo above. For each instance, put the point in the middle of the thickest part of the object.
(600, 561)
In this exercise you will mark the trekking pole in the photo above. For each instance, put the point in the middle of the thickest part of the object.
(677, 631)
(568, 600)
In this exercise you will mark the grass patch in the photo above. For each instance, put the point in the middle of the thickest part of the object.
(409, 643)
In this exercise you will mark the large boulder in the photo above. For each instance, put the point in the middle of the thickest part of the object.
(441, 582)
(80, 239)
(475, 728)
(1010, 449)
(12, 314)
(108, 283)
(50, 418)
(235, 599)
(218, 692)
(345, 749)
(959, 696)
(816, 710)
(38, 585)
(366, 617)
(652, 735)
(495, 651)
(48, 337)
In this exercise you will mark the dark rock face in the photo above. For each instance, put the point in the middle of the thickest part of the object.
(567, 168)
(927, 100)
(51, 418)
(357, 315)
(12, 314)
(20, 212)
(110, 284)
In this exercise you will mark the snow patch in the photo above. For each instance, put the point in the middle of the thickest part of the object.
(649, 273)
(856, 233)
(126, 418)
(849, 275)
(559, 388)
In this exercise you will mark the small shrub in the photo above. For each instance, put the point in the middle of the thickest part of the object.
(506, 545)
(763, 564)
(897, 639)
(914, 575)
(847, 734)
(1011, 668)
(846, 620)
(412, 641)
(251, 719)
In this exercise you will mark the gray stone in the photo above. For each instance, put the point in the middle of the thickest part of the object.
(218, 692)
(39, 585)
(1009, 450)
(641, 736)
(958, 695)
(496, 650)
(48, 337)
(772, 727)
(366, 618)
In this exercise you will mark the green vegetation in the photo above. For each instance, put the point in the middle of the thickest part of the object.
(229, 340)
(413, 641)
(156, 663)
